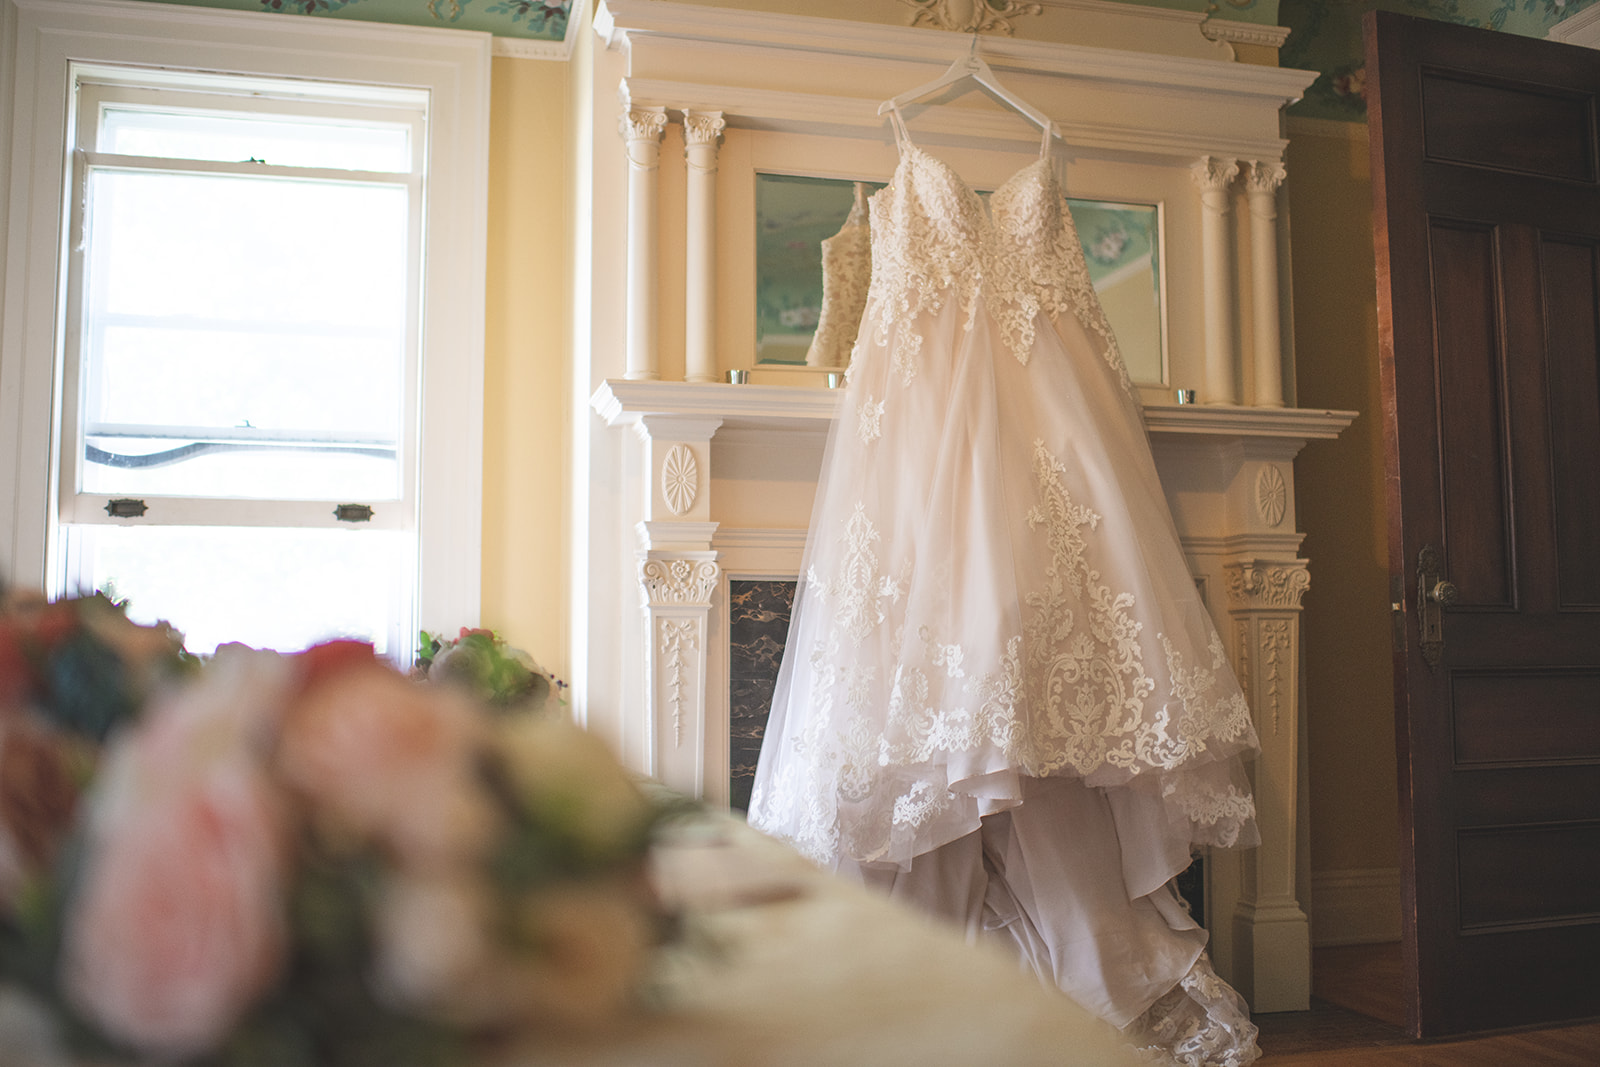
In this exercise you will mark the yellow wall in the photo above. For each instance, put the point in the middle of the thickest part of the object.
(526, 421)
(1339, 495)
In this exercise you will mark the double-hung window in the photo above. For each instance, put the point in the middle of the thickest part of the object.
(241, 357)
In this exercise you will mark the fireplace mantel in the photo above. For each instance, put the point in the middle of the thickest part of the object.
(682, 482)
(721, 479)
(782, 407)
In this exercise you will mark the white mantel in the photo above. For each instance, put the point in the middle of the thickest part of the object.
(724, 477)
(681, 485)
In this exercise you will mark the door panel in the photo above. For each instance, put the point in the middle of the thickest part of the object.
(1522, 127)
(1486, 224)
(1488, 731)
(1572, 302)
(1477, 513)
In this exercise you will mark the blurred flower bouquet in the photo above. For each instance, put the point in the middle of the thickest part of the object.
(305, 859)
(481, 662)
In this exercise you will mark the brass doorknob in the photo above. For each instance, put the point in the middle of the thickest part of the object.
(1444, 593)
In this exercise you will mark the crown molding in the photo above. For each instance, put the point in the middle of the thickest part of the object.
(1580, 29)
(623, 23)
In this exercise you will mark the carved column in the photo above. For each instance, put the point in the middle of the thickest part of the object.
(1271, 935)
(1215, 179)
(1261, 185)
(679, 576)
(641, 129)
(701, 130)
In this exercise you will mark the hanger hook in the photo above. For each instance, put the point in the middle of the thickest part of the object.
(972, 49)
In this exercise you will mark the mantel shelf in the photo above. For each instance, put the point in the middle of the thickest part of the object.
(782, 407)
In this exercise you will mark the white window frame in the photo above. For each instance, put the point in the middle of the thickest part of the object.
(40, 41)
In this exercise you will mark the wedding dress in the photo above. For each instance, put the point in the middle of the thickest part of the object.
(1002, 698)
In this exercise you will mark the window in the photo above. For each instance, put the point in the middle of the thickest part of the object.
(255, 288)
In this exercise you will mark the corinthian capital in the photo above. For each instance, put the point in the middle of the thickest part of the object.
(1265, 176)
(1267, 584)
(1212, 174)
(642, 123)
(702, 127)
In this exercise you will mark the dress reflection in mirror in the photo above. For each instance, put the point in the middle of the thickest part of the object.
(846, 272)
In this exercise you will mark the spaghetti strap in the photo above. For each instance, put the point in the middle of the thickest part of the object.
(1044, 144)
(902, 136)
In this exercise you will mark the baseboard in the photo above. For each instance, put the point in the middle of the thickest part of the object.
(1355, 907)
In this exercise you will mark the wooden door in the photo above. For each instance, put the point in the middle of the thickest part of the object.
(1487, 225)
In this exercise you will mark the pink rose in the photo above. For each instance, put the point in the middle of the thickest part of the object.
(177, 925)
(377, 756)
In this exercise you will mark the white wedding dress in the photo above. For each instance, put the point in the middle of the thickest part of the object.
(1002, 698)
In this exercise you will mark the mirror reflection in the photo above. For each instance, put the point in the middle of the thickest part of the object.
(795, 216)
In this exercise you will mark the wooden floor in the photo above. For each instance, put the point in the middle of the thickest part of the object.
(1357, 1019)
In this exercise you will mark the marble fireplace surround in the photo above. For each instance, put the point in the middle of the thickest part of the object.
(729, 472)
(682, 483)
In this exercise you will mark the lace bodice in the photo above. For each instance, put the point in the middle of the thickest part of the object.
(935, 240)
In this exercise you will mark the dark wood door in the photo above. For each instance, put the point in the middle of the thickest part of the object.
(1487, 225)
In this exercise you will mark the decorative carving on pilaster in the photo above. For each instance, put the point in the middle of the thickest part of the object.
(1264, 177)
(1267, 584)
(680, 479)
(688, 582)
(1241, 633)
(641, 127)
(679, 641)
(971, 16)
(1212, 174)
(1272, 495)
(1275, 645)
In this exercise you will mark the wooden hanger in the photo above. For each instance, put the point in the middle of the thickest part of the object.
(971, 65)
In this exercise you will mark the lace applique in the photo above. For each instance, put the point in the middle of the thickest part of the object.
(921, 803)
(1086, 676)
(1226, 718)
(1225, 813)
(1201, 1022)
(858, 587)
(1040, 266)
(947, 656)
(929, 227)
(904, 361)
(869, 421)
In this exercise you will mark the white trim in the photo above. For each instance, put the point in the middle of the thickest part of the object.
(1355, 907)
(766, 109)
(1235, 32)
(43, 36)
(1580, 29)
(527, 48)
(619, 19)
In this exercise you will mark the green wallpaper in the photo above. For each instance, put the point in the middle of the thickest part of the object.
(1326, 36)
(540, 20)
